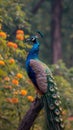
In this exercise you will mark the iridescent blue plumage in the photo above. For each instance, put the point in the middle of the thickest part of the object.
(33, 54)
(42, 78)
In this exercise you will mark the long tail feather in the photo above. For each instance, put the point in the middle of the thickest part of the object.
(53, 107)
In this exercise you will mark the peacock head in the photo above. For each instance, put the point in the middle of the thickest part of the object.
(35, 37)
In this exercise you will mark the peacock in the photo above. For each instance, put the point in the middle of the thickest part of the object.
(41, 77)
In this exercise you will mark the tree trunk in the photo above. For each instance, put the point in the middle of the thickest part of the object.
(31, 115)
(56, 14)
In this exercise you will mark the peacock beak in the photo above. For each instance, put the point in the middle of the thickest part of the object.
(31, 39)
(27, 40)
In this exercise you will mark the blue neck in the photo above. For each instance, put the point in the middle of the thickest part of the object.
(33, 53)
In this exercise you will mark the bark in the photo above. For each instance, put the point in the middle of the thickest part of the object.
(31, 115)
(37, 6)
(56, 14)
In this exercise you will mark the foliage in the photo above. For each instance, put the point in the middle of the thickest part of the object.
(15, 92)
(13, 17)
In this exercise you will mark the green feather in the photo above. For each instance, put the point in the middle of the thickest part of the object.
(52, 106)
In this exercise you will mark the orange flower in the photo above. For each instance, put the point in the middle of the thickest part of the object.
(2, 62)
(20, 37)
(19, 75)
(8, 87)
(15, 45)
(7, 78)
(15, 82)
(11, 61)
(30, 98)
(19, 32)
(12, 100)
(23, 92)
(11, 44)
(3, 35)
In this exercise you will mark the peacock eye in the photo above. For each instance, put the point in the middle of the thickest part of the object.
(51, 88)
(51, 106)
(57, 112)
(57, 103)
(54, 95)
(57, 119)
(33, 38)
(62, 125)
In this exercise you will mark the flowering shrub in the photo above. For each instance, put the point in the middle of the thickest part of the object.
(14, 88)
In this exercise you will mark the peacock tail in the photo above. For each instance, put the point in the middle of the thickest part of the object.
(52, 104)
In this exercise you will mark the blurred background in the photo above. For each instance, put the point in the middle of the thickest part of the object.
(18, 20)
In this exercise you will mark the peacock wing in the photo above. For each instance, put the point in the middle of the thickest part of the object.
(41, 76)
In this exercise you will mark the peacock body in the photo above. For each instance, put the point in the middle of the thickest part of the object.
(42, 78)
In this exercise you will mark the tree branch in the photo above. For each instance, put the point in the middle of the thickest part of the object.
(36, 7)
(31, 115)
